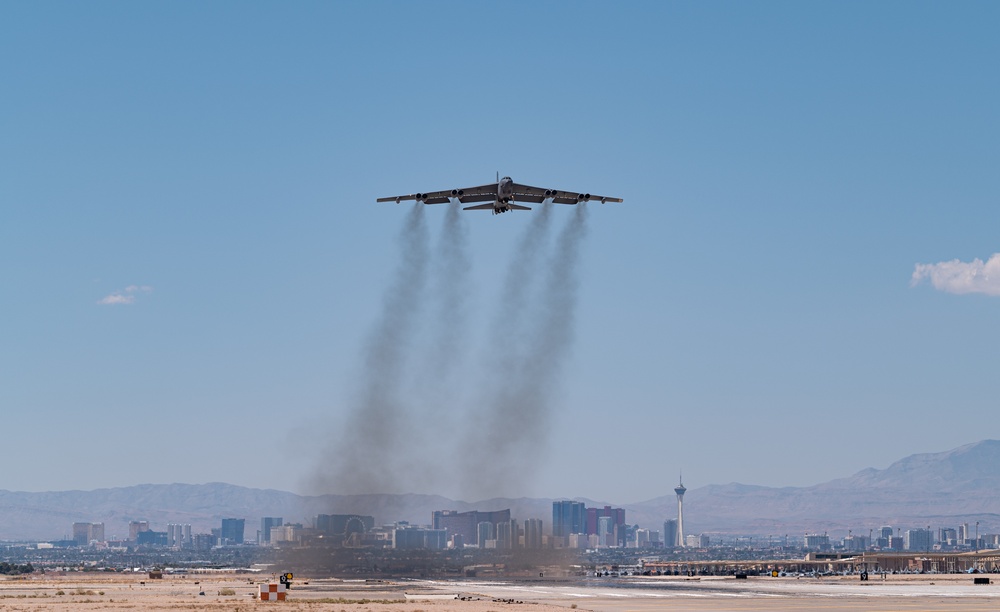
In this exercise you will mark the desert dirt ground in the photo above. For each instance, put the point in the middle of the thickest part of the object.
(91, 592)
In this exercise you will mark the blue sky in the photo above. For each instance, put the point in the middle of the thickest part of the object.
(191, 256)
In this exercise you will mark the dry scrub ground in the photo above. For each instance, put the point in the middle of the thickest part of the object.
(91, 592)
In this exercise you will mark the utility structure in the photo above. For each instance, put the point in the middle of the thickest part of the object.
(680, 490)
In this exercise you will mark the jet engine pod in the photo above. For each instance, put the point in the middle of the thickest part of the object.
(581, 197)
(586, 197)
(420, 197)
(549, 193)
(457, 193)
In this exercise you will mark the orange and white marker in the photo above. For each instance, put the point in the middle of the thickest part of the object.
(272, 592)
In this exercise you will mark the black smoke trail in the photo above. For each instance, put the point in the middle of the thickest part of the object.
(512, 432)
(509, 332)
(439, 361)
(451, 296)
(373, 454)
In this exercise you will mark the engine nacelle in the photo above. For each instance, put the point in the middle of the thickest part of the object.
(420, 197)
(550, 193)
(457, 193)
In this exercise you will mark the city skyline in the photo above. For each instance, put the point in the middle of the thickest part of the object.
(593, 528)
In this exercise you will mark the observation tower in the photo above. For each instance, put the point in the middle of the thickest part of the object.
(680, 490)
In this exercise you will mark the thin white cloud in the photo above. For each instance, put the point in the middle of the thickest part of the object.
(960, 277)
(116, 298)
(124, 296)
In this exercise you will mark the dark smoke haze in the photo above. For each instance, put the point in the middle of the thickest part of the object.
(440, 361)
(510, 438)
(371, 455)
(509, 329)
(408, 404)
(449, 333)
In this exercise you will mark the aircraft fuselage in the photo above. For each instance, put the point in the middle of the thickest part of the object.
(505, 193)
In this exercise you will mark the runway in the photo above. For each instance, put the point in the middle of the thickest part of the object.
(953, 592)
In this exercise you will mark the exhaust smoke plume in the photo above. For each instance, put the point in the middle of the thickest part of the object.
(510, 335)
(373, 454)
(438, 402)
(408, 401)
(510, 436)
(451, 294)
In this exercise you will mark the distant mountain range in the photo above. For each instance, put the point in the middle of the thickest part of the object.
(936, 489)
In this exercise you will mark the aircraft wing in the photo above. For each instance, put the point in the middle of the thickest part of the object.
(482, 193)
(528, 193)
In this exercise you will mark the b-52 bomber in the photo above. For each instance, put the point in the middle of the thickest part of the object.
(501, 196)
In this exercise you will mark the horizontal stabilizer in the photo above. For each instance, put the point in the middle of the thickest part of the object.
(479, 207)
(518, 207)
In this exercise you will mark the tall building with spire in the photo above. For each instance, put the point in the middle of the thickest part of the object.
(680, 490)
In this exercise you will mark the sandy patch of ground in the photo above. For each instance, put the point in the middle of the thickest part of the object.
(92, 592)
